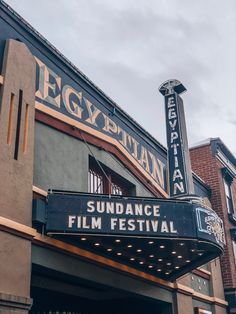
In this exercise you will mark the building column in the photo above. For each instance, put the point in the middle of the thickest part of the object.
(16, 172)
(217, 286)
(183, 297)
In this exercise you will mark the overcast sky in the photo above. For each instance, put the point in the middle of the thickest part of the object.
(129, 47)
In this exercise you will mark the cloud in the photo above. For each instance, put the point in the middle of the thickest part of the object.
(129, 47)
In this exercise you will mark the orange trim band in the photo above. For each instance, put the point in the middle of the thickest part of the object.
(17, 228)
(207, 272)
(199, 272)
(203, 297)
(39, 191)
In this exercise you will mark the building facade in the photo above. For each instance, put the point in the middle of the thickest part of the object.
(217, 166)
(59, 133)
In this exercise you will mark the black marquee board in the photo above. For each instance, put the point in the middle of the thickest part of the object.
(77, 213)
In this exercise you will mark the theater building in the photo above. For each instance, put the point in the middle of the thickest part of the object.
(213, 161)
(90, 219)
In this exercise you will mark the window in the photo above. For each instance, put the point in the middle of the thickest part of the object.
(228, 193)
(103, 180)
(116, 189)
(234, 249)
(96, 182)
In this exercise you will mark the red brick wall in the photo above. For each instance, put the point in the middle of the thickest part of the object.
(208, 167)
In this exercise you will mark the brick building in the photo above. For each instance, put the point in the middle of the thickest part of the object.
(213, 162)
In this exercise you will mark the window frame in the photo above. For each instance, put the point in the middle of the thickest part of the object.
(233, 239)
(234, 249)
(95, 182)
(227, 182)
(111, 180)
(228, 196)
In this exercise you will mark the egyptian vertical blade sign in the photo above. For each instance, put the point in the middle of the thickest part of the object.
(179, 167)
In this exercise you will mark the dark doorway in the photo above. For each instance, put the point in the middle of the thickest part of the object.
(51, 302)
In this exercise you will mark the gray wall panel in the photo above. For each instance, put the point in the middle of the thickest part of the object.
(61, 162)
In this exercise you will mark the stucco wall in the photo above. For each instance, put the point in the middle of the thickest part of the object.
(62, 162)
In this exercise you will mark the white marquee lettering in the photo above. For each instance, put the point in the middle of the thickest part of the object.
(135, 148)
(175, 148)
(131, 224)
(110, 126)
(172, 229)
(177, 175)
(71, 220)
(173, 124)
(76, 110)
(173, 136)
(129, 209)
(172, 113)
(178, 186)
(110, 208)
(144, 159)
(92, 111)
(156, 210)
(113, 223)
(147, 210)
(45, 86)
(171, 102)
(138, 209)
(90, 207)
(125, 137)
(164, 226)
(176, 162)
(157, 169)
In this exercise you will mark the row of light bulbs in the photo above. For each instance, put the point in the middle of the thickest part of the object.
(151, 256)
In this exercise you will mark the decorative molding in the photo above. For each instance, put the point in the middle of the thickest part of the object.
(199, 296)
(209, 299)
(199, 272)
(39, 191)
(226, 162)
(184, 289)
(17, 228)
(202, 270)
(10, 301)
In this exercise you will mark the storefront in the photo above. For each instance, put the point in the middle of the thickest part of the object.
(102, 234)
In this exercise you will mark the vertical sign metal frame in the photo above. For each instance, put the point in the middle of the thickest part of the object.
(179, 167)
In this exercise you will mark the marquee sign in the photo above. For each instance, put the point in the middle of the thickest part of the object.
(177, 172)
(115, 215)
(167, 238)
(210, 224)
(111, 215)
